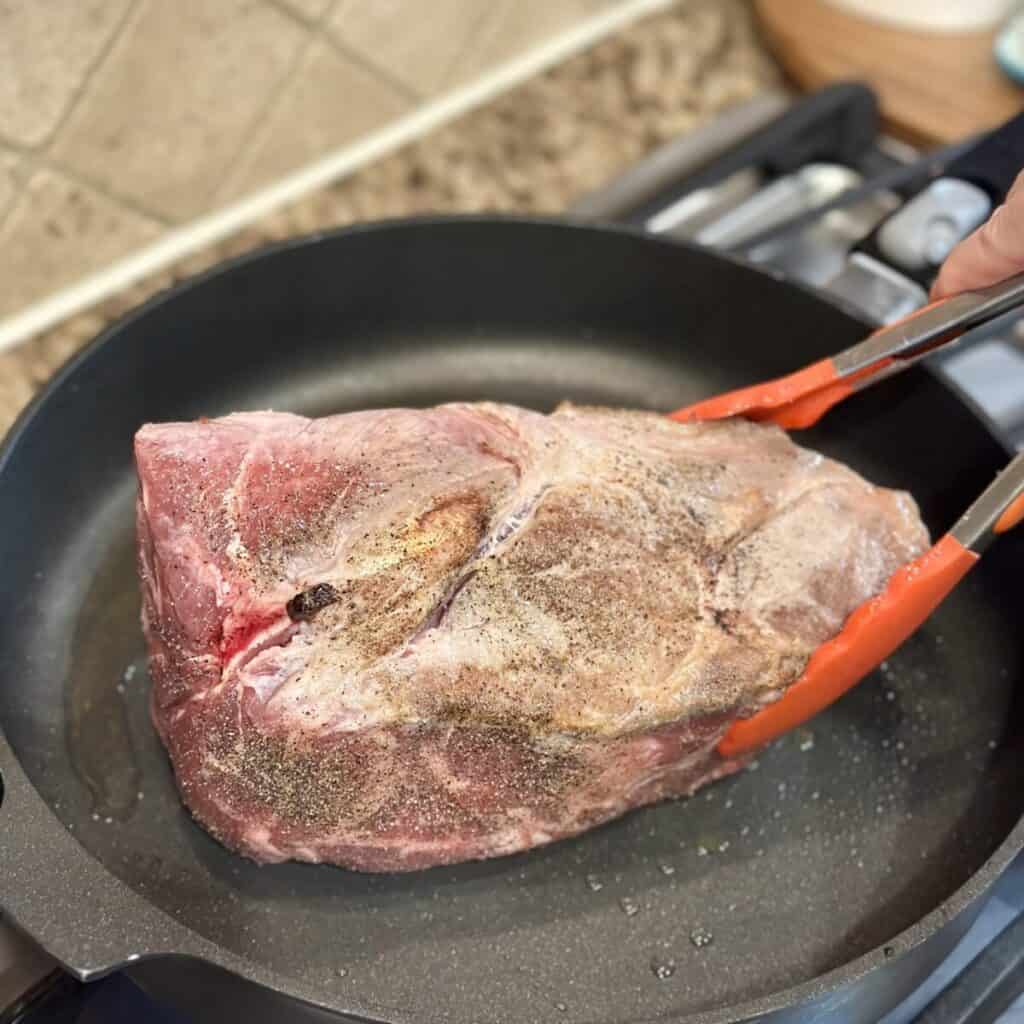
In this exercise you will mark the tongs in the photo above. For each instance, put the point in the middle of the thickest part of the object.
(875, 629)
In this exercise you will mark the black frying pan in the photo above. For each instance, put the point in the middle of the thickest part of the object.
(837, 872)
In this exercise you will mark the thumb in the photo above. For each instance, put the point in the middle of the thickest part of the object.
(992, 253)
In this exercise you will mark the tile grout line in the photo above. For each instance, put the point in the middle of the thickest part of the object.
(314, 24)
(21, 181)
(332, 6)
(38, 156)
(37, 160)
(42, 148)
(129, 203)
(204, 231)
(44, 158)
(316, 32)
(45, 147)
(10, 209)
(320, 26)
(261, 122)
(41, 157)
(396, 85)
(494, 16)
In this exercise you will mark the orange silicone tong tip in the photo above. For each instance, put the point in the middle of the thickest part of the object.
(793, 402)
(1011, 517)
(870, 635)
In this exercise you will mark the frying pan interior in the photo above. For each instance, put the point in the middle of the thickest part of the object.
(839, 838)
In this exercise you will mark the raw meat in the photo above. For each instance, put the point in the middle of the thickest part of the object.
(402, 638)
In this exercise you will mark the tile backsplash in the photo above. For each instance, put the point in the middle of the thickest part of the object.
(120, 119)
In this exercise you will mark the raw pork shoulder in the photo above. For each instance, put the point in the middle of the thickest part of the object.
(402, 638)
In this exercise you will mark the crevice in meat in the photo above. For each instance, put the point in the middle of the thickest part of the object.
(511, 524)
(243, 641)
(437, 616)
(440, 611)
(497, 536)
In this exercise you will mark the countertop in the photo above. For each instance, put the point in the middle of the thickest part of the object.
(534, 149)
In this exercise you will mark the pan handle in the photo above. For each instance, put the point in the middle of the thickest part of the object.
(64, 899)
(94, 924)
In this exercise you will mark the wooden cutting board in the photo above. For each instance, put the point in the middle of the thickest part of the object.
(933, 88)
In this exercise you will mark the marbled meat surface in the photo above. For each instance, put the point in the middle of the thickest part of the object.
(401, 638)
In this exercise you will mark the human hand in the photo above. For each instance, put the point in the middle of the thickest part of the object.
(992, 253)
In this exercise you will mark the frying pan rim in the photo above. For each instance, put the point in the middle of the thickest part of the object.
(204, 949)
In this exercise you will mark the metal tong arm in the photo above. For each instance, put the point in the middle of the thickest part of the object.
(800, 399)
(998, 509)
(931, 327)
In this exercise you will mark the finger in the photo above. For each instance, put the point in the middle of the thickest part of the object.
(992, 253)
(1017, 187)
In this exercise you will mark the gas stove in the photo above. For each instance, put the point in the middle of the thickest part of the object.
(811, 191)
